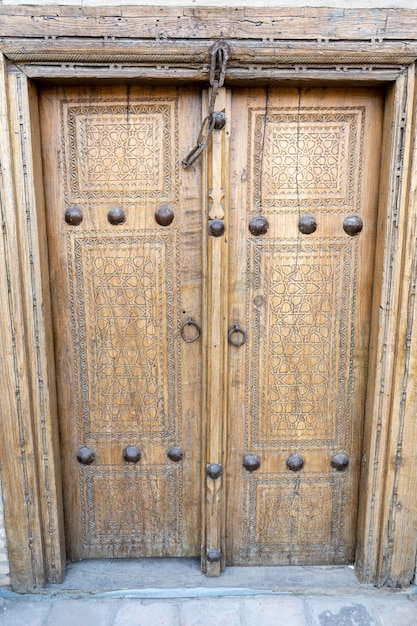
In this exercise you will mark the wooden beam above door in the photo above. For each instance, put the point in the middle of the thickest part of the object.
(179, 35)
(210, 22)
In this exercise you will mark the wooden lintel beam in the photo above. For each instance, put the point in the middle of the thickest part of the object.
(203, 22)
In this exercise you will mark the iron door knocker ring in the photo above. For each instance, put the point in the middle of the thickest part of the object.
(237, 342)
(190, 322)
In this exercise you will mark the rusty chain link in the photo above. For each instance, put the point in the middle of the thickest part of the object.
(220, 53)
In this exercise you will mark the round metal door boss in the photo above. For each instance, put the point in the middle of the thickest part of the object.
(340, 461)
(216, 227)
(175, 454)
(258, 226)
(295, 463)
(251, 462)
(116, 216)
(86, 456)
(131, 454)
(307, 224)
(214, 470)
(164, 216)
(352, 225)
(73, 215)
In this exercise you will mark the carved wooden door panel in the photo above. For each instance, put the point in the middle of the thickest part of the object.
(304, 171)
(125, 223)
(125, 278)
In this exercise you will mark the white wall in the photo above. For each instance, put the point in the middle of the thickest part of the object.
(343, 4)
(4, 563)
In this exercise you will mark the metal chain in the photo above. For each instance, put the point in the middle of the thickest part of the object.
(220, 53)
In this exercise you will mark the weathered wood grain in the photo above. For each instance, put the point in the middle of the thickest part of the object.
(344, 46)
(383, 345)
(246, 23)
(30, 473)
(125, 374)
(298, 385)
(247, 52)
(215, 281)
(399, 537)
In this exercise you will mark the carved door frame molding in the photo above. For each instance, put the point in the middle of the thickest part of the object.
(49, 43)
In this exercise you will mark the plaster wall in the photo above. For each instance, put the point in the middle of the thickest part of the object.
(4, 562)
(342, 4)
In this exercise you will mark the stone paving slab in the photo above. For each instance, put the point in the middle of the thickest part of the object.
(273, 611)
(21, 613)
(339, 612)
(145, 613)
(83, 612)
(381, 608)
(141, 593)
(213, 612)
(392, 613)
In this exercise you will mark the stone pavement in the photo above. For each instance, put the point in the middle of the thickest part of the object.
(102, 594)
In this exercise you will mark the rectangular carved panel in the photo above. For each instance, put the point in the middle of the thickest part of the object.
(300, 311)
(124, 300)
(306, 157)
(126, 508)
(294, 515)
(120, 151)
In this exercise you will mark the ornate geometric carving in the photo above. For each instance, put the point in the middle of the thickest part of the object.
(294, 516)
(118, 151)
(123, 315)
(306, 158)
(300, 367)
(136, 507)
(293, 510)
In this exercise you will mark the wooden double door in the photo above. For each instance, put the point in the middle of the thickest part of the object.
(152, 305)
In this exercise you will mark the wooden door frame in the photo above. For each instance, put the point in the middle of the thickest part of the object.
(372, 47)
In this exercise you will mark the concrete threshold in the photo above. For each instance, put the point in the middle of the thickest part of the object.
(182, 578)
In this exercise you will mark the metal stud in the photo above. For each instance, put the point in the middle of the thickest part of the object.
(251, 462)
(307, 224)
(219, 120)
(164, 215)
(86, 456)
(213, 555)
(175, 454)
(258, 226)
(116, 216)
(295, 463)
(73, 215)
(214, 470)
(216, 227)
(340, 462)
(131, 454)
(352, 225)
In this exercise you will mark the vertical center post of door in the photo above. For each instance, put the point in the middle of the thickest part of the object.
(216, 176)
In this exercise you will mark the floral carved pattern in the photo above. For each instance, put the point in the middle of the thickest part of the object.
(145, 510)
(301, 354)
(121, 152)
(306, 159)
(125, 305)
(292, 512)
(295, 515)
